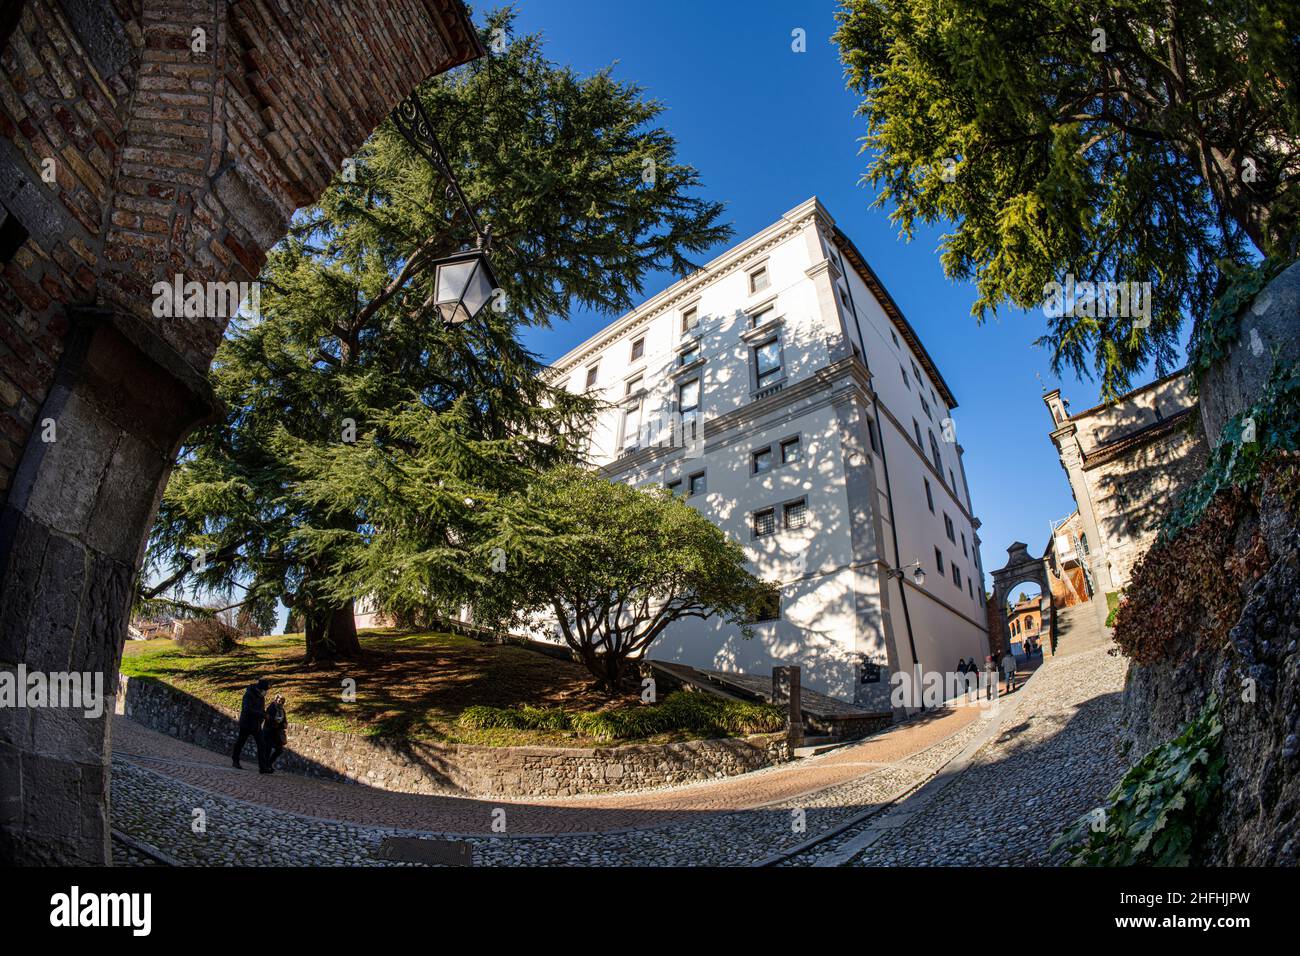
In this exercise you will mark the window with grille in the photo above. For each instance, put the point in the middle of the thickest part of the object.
(764, 522)
(796, 514)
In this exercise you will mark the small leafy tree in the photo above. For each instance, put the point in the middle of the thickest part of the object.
(614, 566)
(1127, 140)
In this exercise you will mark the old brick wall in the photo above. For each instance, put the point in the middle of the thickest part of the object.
(141, 140)
(169, 159)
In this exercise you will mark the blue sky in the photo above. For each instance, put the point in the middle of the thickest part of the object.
(767, 128)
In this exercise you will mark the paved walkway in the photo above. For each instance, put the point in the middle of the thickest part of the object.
(357, 803)
(189, 804)
(1053, 757)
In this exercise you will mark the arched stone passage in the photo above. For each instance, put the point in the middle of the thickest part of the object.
(142, 140)
(1019, 569)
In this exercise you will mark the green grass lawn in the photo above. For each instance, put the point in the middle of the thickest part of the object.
(418, 685)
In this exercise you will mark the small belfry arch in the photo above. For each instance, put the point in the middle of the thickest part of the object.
(1021, 568)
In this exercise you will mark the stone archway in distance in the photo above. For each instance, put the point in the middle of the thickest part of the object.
(142, 140)
(1020, 568)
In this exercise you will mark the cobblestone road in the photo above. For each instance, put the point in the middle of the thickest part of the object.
(248, 819)
(1053, 758)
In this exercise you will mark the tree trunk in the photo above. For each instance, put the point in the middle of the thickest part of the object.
(331, 634)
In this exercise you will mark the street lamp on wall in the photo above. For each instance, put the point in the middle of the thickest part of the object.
(918, 573)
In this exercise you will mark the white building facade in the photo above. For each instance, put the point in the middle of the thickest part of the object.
(781, 391)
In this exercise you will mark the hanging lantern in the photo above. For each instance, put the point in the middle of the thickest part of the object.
(463, 286)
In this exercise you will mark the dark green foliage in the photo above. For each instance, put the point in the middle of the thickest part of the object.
(349, 392)
(612, 565)
(1150, 159)
(1235, 462)
(1162, 810)
(681, 711)
(1214, 335)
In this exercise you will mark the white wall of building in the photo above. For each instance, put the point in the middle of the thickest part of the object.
(830, 570)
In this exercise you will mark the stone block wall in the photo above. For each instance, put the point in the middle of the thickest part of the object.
(435, 768)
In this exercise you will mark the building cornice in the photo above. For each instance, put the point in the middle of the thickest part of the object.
(877, 288)
(681, 292)
(1142, 436)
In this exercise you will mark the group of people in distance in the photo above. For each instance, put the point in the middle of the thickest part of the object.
(1008, 671)
(266, 723)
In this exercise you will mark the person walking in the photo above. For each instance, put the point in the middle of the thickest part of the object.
(251, 714)
(1009, 669)
(990, 676)
(274, 729)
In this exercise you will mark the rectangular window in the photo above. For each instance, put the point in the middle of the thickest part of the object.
(758, 318)
(903, 372)
(638, 348)
(964, 552)
(925, 407)
(934, 450)
(894, 337)
(631, 426)
(675, 487)
(916, 372)
(952, 478)
(789, 450)
(688, 355)
(917, 428)
(796, 514)
(948, 528)
(970, 587)
(760, 461)
(769, 608)
(929, 495)
(634, 384)
(690, 319)
(873, 436)
(764, 522)
(767, 363)
(956, 574)
(758, 280)
(696, 485)
(688, 399)
(591, 375)
(938, 560)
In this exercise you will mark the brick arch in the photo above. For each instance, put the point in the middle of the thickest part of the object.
(167, 161)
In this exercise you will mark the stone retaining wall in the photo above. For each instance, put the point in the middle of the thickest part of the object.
(436, 768)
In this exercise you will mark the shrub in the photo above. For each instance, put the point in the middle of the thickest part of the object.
(206, 636)
(680, 711)
(1161, 811)
(481, 717)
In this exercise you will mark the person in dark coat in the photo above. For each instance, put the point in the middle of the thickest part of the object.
(274, 730)
(251, 714)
